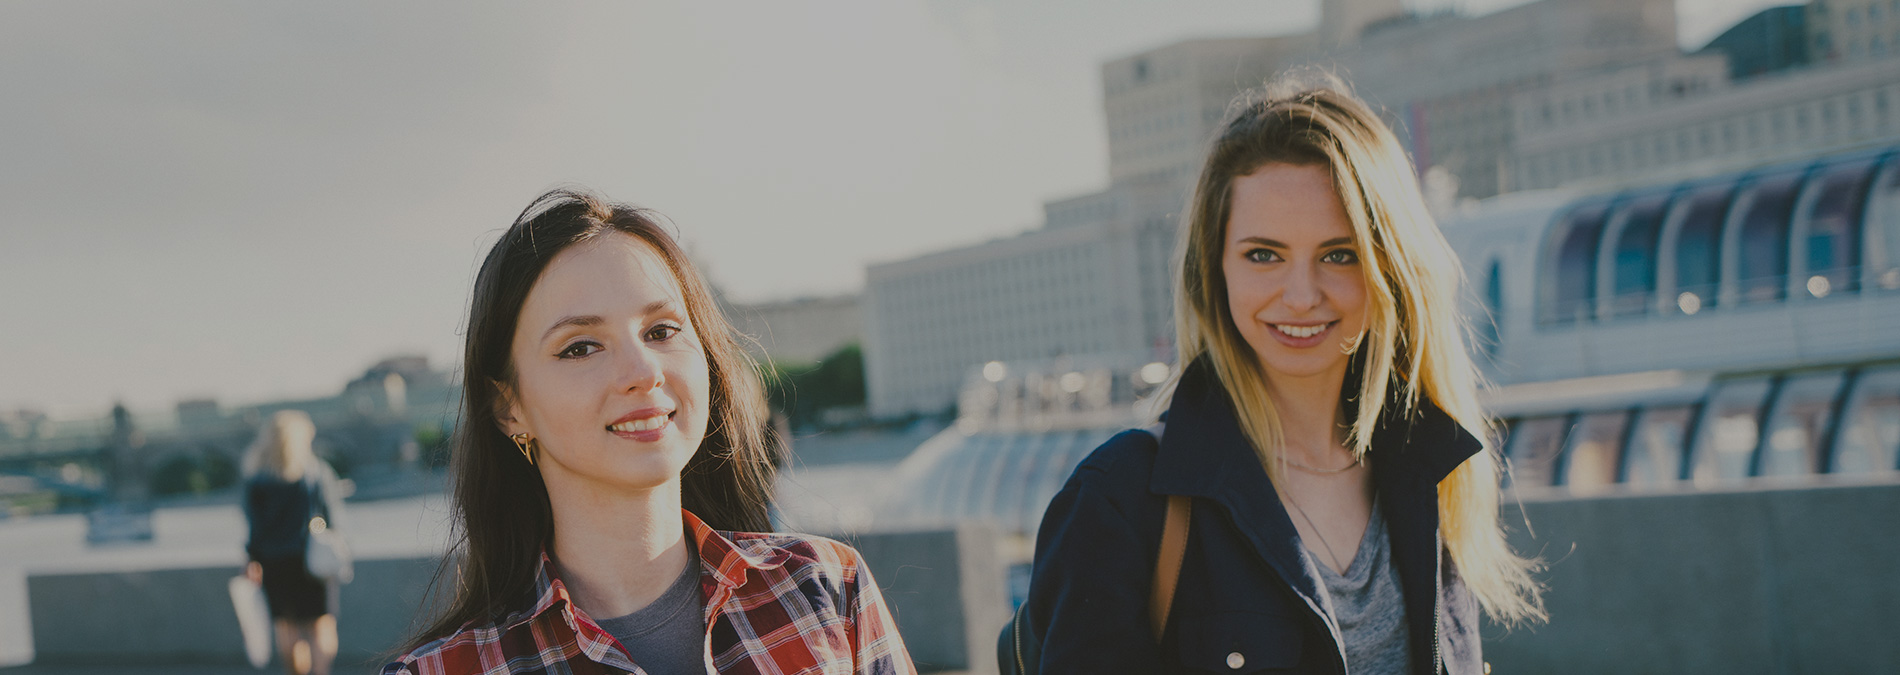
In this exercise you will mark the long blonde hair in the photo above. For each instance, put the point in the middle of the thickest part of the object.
(282, 448)
(1415, 335)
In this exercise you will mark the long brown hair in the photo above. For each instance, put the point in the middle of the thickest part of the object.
(1414, 345)
(502, 517)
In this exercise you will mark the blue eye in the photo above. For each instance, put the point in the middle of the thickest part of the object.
(1340, 256)
(578, 350)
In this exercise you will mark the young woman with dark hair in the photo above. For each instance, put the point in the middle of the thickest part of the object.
(611, 477)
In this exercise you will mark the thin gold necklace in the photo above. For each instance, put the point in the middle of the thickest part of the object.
(1316, 533)
(1355, 462)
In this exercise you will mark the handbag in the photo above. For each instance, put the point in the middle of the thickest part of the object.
(1019, 651)
(326, 555)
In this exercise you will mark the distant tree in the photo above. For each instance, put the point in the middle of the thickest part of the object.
(803, 391)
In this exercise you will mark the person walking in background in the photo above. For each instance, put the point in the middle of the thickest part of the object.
(1323, 434)
(612, 478)
(289, 493)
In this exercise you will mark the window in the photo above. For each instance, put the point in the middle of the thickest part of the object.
(1488, 325)
(1732, 423)
(1654, 455)
(1870, 429)
(1588, 465)
(1634, 284)
(1798, 426)
(1533, 449)
(1881, 228)
(1834, 226)
(1762, 266)
(1698, 252)
(1570, 291)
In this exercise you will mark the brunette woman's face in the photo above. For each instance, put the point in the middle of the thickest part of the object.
(1294, 285)
(610, 377)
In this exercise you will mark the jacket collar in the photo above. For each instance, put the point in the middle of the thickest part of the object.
(1205, 454)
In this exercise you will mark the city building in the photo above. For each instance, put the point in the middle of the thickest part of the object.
(1772, 40)
(1852, 30)
(1081, 289)
(1162, 105)
(1094, 278)
(1667, 118)
(1707, 329)
(804, 330)
(1446, 82)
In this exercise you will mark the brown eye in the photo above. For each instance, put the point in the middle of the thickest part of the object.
(663, 332)
(578, 350)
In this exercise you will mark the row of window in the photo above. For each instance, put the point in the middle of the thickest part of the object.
(1791, 424)
(1733, 240)
(1810, 120)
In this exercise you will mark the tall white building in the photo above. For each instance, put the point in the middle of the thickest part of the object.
(1087, 288)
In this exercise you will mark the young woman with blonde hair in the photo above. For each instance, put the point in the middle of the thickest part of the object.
(1324, 426)
(287, 488)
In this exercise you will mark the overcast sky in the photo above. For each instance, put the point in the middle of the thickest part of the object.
(253, 200)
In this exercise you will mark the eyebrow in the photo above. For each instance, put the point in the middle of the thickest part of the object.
(1263, 241)
(590, 320)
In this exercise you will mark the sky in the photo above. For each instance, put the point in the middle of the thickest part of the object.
(257, 200)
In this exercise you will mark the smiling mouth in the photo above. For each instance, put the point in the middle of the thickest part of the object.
(1302, 332)
(653, 423)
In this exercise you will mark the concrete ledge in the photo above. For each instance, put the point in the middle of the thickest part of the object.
(944, 587)
(1757, 581)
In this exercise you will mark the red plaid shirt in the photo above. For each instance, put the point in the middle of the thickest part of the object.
(775, 603)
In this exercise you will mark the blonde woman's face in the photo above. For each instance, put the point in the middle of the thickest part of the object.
(1294, 285)
(610, 377)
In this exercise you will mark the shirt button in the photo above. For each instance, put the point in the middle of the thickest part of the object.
(1235, 660)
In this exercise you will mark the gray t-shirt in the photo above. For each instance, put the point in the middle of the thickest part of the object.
(1368, 606)
(667, 637)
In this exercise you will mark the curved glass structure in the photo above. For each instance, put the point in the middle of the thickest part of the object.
(1809, 230)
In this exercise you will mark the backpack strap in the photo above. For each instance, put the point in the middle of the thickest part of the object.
(1174, 535)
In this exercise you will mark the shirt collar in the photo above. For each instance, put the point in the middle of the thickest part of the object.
(725, 562)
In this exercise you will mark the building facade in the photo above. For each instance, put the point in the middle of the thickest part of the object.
(1087, 288)
(1852, 30)
(1447, 82)
(1694, 128)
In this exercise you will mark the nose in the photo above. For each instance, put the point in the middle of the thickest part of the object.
(641, 369)
(1302, 292)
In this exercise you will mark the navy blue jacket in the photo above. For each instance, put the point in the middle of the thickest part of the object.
(1244, 588)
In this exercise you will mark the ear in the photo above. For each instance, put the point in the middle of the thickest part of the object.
(507, 410)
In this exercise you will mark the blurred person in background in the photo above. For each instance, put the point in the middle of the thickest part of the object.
(612, 477)
(1324, 430)
(288, 491)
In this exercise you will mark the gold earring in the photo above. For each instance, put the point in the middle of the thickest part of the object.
(523, 441)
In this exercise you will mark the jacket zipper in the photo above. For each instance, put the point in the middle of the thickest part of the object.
(1438, 596)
